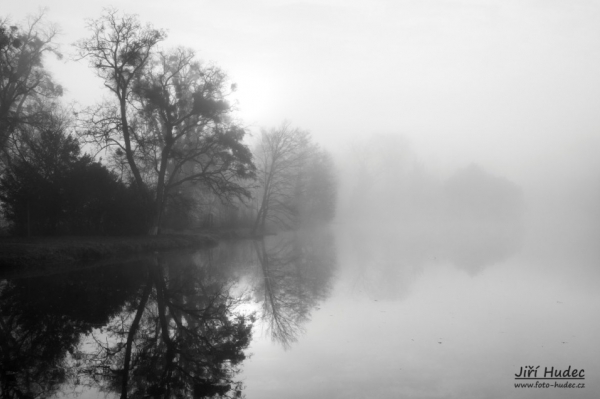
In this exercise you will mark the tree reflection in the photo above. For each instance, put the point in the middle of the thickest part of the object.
(32, 351)
(296, 277)
(42, 320)
(483, 219)
(181, 337)
(166, 325)
(473, 220)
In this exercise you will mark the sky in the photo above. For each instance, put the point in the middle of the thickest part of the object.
(511, 85)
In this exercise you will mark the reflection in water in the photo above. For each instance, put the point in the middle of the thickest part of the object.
(385, 261)
(180, 337)
(164, 325)
(296, 276)
(475, 246)
(473, 220)
(482, 219)
(42, 319)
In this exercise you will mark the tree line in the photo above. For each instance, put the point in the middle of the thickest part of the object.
(173, 153)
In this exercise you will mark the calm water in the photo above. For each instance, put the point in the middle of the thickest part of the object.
(415, 312)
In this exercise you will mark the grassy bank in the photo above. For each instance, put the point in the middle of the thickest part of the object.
(66, 252)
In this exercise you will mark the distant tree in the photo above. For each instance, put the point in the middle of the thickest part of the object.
(280, 155)
(317, 191)
(474, 194)
(24, 82)
(171, 121)
(296, 179)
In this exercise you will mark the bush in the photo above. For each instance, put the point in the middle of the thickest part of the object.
(53, 190)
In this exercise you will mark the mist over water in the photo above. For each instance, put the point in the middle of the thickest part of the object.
(386, 187)
(466, 239)
(448, 280)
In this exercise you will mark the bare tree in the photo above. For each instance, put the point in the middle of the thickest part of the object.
(24, 83)
(297, 180)
(118, 50)
(172, 121)
(280, 155)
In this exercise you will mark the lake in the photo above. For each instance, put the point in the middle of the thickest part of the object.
(415, 311)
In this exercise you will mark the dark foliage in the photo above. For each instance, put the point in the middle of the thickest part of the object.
(173, 122)
(42, 321)
(55, 190)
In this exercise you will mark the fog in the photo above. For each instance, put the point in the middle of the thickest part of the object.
(464, 136)
(510, 86)
(474, 215)
(408, 97)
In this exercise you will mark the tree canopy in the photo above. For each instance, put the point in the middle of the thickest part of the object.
(25, 85)
(296, 177)
(52, 188)
(170, 120)
(167, 137)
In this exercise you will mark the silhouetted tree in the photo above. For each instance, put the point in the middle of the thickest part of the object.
(51, 188)
(297, 183)
(172, 121)
(280, 156)
(24, 82)
(118, 49)
(31, 190)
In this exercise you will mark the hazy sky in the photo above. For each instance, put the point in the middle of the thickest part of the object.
(513, 85)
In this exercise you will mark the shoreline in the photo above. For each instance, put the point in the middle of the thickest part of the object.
(46, 254)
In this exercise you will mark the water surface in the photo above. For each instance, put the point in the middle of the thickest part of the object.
(408, 311)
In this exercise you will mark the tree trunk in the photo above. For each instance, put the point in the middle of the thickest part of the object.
(258, 218)
(28, 219)
(156, 218)
(131, 335)
(161, 188)
(161, 292)
(261, 216)
(126, 137)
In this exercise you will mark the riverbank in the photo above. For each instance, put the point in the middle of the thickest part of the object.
(67, 252)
